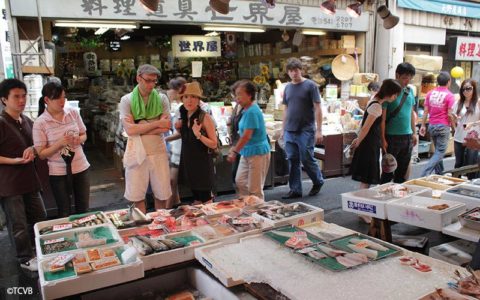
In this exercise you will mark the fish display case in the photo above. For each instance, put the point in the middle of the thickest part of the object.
(297, 213)
(71, 222)
(128, 218)
(424, 211)
(85, 271)
(436, 182)
(78, 238)
(465, 193)
(373, 202)
(471, 219)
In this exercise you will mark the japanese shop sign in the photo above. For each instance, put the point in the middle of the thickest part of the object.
(194, 12)
(445, 7)
(196, 46)
(468, 48)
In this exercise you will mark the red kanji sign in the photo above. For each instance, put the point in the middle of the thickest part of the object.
(468, 49)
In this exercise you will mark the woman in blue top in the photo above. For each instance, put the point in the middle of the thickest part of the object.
(253, 144)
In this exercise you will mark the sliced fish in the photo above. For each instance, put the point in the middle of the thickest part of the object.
(316, 255)
(370, 244)
(157, 246)
(352, 259)
(368, 252)
(171, 244)
(330, 251)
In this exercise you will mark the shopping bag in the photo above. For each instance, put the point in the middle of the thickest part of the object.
(134, 153)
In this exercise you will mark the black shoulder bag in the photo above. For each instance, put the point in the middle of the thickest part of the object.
(394, 113)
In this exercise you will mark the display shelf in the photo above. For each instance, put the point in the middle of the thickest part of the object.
(38, 70)
(320, 52)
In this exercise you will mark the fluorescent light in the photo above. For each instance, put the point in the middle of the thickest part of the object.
(213, 33)
(101, 30)
(233, 28)
(95, 24)
(125, 37)
(313, 32)
(146, 27)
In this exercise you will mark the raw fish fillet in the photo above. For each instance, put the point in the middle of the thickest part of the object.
(370, 244)
(352, 259)
(331, 252)
(368, 252)
(317, 255)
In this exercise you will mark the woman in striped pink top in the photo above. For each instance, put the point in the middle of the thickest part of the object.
(58, 135)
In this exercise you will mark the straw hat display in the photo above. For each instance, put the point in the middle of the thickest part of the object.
(344, 67)
(221, 6)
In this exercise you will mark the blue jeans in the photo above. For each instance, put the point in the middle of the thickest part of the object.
(439, 134)
(299, 149)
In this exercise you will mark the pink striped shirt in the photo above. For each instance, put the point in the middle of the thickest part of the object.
(47, 131)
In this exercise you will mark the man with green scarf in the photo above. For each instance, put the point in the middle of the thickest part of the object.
(146, 113)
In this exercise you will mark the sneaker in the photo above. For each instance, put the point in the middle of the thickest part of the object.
(315, 189)
(30, 265)
(292, 195)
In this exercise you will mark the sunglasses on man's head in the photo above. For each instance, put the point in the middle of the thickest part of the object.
(468, 88)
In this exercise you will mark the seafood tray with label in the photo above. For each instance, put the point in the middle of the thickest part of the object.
(152, 230)
(191, 211)
(223, 207)
(436, 182)
(76, 239)
(71, 222)
(166, 250)
(297, 214)
(126, 218)
(424, 211)
(471, 218)
(293, 237)
(83, 270)
(358, 243)
(372, 202)
(465, 193)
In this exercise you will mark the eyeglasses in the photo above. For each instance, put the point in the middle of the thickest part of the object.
(467, 89)
(150, 80)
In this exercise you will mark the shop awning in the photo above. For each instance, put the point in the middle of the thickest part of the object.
(444, 7)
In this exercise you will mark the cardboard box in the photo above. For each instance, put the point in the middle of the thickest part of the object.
(347, 41)
(414, 211)
(425, 62)
(34, 60)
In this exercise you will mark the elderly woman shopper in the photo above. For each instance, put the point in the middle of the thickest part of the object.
(199, 140)
(253, 144)
(58, 135)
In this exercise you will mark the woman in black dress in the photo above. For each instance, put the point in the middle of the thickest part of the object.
(198, 138)
(365, 165)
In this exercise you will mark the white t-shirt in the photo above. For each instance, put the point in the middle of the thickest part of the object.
(463, 118)
(375, 109)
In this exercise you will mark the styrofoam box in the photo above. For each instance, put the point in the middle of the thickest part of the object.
(202, 254)
(33, 60)
(171, 257)
(436, 185)
(70, 233)
(458, 252)
(470, 202)
(90, 281)
(414, 211)
(40, 225)
(365, 201)
(174, 281)
(314, 215)
(237, 236)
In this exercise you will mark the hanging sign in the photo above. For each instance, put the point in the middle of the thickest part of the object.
(468, 48)
(196, 46)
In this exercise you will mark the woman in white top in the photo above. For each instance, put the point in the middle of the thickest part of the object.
(467, 111)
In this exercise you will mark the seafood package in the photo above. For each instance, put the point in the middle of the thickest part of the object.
(74, 221)
(146, 245)
(73, 240)
(359, 243)
(332, 258)
(151, 230)
(223, 207)
(126, 218)
(471, 218)
(292, 236)
(465, 191)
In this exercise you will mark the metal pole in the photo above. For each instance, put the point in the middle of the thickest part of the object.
(14, 41)
(40, 27)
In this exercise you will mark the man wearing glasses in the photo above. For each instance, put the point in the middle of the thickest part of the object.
(145, 116)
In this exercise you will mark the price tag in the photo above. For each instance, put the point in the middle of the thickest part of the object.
(243, 221)
(61, 227)
(155, 226)
(48, 242)
(87, 219)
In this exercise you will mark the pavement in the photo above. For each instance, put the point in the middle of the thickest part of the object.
(107, 187)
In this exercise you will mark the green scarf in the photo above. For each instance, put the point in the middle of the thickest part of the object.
(151, 111)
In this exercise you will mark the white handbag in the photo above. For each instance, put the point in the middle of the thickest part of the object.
(134, 153)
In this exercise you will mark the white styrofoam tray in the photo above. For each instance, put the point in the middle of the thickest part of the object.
(371, 203)
(314, 215)
(470, 202)
(40, 225)
(414, 211)
(70, 234)
(457, 230)
(90, 281)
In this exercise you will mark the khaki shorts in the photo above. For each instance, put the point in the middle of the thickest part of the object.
(154, 170)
